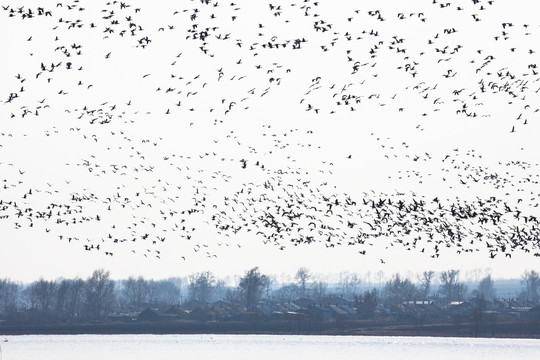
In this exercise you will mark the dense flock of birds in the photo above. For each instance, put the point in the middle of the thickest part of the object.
(125, 122)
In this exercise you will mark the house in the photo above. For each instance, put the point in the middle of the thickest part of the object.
(351, 312)
(224, 310)
(481, 303)
(193, 304)
(175, 312)
(287, 307)
(304, 302)
(266, 309)
(148, 315)
(123, 316)
(319, 313)
(202, 313)
(382, 310)
(337, 312)
(461, 309)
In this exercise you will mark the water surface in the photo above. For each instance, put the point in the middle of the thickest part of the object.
(262, 347)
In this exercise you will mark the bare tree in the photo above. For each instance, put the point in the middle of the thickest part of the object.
(9, 295)
(486, 288)
(234, 295)
(350, 283)
(475, 274)
(61, 296)
(268, 286)
(367, 303)
(99, 293)
(136, 292)
(201, 285)
(152, 286)
(398, 290)
(220, 289)
(368, 278)
(319, 290)
(166, 292)
(425, 283)
(531, 280)
(302, 276)
(288, 293)
(252, 284)
(379, 276)
(451, 289)
(41, 294)
(74, 297)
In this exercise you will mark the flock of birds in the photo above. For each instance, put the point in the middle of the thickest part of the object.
(198, 121)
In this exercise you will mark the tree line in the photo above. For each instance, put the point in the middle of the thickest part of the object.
(94, 298)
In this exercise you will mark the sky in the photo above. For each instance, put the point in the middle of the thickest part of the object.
(186, 136)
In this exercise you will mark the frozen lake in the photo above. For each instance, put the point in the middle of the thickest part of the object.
(261, 347)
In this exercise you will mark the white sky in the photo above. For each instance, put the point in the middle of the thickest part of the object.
(144, 161)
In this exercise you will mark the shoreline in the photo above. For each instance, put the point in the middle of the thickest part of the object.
(511, 330)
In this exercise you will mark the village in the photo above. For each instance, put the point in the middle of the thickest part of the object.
(399, 307)
(475, 317)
